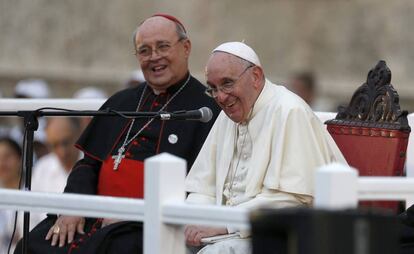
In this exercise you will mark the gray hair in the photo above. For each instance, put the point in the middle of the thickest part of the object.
(243, 62)
(179, 29)
(237, 60)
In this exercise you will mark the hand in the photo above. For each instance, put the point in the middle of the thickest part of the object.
(193, 234)
(64, 228)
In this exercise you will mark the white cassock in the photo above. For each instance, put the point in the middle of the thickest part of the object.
(268, 161)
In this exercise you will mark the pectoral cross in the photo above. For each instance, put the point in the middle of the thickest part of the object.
(118, 158)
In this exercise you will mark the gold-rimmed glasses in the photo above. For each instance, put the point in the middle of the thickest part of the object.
(162, 48)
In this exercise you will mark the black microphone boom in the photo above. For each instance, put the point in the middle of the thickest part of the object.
(203, 114)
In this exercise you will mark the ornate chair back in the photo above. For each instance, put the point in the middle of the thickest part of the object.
(372, 132)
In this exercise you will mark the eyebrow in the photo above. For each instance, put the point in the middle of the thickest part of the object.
(221, 81)
(227, 79)
(157, 43)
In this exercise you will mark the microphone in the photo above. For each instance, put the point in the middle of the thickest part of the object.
(203, 114)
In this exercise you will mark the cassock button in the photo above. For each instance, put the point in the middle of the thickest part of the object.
(172, 139)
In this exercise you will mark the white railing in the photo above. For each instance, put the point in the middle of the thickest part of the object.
(33, 104)
(72, 204)
(164, 210)
(338, 186)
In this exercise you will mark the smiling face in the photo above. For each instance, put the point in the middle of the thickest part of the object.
(223, 69)
(162, 68)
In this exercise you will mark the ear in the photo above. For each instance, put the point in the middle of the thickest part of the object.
(187, 47)
(258, 76)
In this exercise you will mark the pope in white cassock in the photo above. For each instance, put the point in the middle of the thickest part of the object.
(263, 149)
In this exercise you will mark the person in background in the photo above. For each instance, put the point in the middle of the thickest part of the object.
(87, 93)
(4, 130)
(50, 173)
(10, 163)
(10, 168)
(32, 89)
(136, 78)
(304, 85)
(90, 92)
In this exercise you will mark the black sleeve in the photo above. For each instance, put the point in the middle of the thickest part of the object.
(83, 178)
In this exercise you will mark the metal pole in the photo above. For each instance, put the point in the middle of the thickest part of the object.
(30, 125)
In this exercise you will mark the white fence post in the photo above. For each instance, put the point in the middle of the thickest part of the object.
(409, 163)
(336, 187)
(164, 182)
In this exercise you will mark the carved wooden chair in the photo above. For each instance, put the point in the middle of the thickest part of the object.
(372, 132)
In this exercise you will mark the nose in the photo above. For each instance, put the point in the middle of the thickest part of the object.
(221, 96)
(154, 55)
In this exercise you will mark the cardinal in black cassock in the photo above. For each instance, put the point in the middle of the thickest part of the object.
(100, 173)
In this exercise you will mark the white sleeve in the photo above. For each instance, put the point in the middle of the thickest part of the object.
(201, 180)
(198, 198)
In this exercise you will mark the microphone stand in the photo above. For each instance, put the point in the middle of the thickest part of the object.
(31, 125)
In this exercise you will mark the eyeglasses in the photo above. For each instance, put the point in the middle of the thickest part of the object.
(227, 87)
(162, 49)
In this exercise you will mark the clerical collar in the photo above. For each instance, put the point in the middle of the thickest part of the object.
(173, 88)
(261, 100)
(249, 117)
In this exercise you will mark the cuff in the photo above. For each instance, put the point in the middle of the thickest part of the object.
(196, 198)
(242, 233)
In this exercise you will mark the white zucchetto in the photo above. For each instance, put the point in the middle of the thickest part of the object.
(240, 50)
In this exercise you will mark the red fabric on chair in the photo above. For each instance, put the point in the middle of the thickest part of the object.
(374, 152)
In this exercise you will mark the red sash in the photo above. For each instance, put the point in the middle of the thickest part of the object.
(127, 181)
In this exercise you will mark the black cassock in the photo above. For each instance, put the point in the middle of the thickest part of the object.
(100, 141)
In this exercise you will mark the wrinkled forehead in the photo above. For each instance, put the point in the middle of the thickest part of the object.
(156, 29)
(221, 65)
